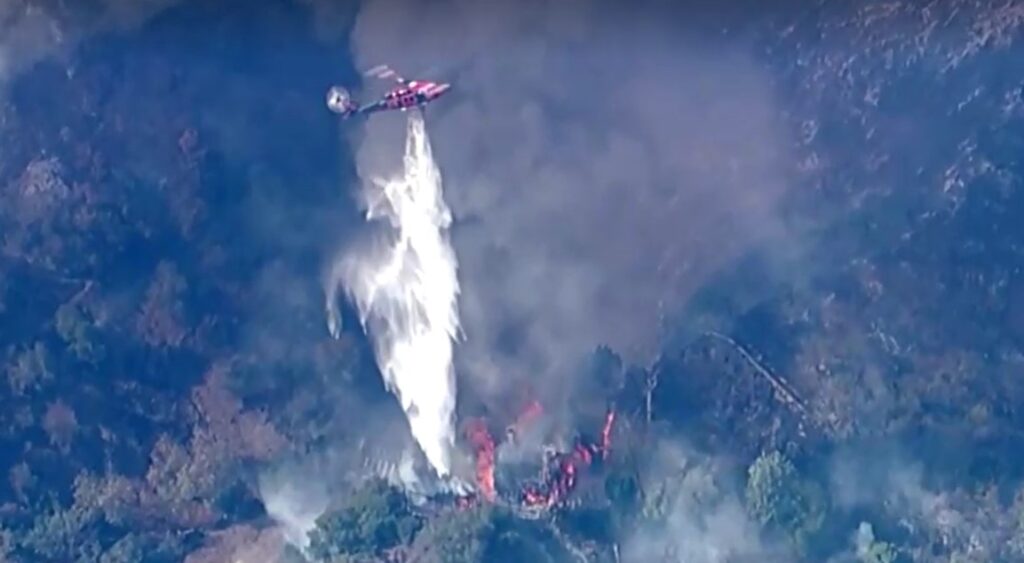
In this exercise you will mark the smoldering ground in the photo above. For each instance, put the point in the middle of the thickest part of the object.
(695, 512)
(911, 502)
(601, 163)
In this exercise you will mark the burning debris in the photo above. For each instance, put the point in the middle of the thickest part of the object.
(561, 470)
(559, 473)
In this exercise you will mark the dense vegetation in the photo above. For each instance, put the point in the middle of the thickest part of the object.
(164, 210)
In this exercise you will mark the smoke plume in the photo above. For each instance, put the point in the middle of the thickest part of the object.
(694, 514)
(294, 505)
(602, 165)
(405, 286)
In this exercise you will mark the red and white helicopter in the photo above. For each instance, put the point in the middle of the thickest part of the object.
(408, 94)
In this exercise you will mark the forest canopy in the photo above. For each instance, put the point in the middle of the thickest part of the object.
(171, 191)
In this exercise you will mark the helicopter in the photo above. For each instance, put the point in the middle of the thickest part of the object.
(406, 95)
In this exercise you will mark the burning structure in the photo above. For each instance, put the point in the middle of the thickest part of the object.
(516, 475)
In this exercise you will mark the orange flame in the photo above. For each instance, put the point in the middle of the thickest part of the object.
(557, 484)
(562, 481)
(532, 411)
(484, 445)
(533, 497)
(606, 434)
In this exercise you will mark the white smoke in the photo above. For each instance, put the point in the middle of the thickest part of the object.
(406, 289)
(294, 505)
(606, 162)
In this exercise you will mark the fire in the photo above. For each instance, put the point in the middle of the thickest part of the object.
(606, 433)
(561, 480)
(532, 411)
(484, 445)
(561, 470)
(534, 498)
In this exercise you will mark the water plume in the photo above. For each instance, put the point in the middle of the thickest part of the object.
(405, 287)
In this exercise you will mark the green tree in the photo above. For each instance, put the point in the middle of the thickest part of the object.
(377, 517)
(76, 328)
(779, 497)
(514, 540)
(623, 490)
(457, 537)
(872, 550)
(291, 554)
(6, 544)
(150, 547)
(487, 534)
(880, 552)
(128, 548)
(64, 535)
(30, 368)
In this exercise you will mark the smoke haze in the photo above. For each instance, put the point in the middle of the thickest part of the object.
(31, 30)
(600, 165)
(693, 514)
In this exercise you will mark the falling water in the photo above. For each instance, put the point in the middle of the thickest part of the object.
(406, 290)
